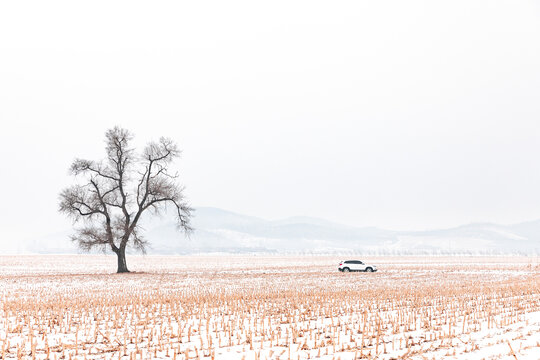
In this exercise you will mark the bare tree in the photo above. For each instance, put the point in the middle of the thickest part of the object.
(115, 193)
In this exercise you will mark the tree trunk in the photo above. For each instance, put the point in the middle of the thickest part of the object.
(122, 265)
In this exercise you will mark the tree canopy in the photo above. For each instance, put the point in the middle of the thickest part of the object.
(112, 195)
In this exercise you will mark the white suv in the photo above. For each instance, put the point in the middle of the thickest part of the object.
(355, 265)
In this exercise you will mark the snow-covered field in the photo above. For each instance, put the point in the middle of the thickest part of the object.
(269, 307)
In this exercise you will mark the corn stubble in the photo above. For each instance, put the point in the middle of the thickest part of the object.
(274, 308)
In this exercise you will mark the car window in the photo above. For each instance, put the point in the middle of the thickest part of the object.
(348, 262)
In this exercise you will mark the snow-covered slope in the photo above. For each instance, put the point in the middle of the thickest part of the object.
(218, 230)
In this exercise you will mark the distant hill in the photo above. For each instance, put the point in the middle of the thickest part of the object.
(222, 231)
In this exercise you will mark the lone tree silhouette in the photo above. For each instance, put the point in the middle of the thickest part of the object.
(115, 193)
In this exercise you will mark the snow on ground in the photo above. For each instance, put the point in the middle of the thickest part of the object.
(269, 307)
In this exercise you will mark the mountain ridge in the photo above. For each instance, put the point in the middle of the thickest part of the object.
(218, 230)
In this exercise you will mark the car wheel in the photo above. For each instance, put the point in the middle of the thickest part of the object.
(346, 269)
(369, 270)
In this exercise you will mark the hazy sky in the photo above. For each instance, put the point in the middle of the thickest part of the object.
(398, 114)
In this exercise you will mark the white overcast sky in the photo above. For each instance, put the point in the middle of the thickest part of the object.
(397, 114)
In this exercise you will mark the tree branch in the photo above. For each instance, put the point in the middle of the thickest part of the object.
(111, 215)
